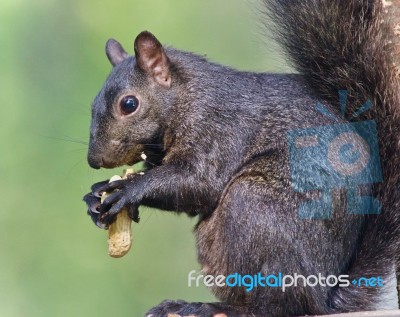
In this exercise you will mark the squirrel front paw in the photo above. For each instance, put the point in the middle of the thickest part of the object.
(93, 203)
(103, 214)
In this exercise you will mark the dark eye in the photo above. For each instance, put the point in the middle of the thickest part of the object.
(128, 104)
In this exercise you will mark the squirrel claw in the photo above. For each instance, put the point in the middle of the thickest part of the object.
(93, 204)
(99, 188)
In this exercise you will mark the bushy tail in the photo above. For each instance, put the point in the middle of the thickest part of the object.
(338, 44)
(345, 45)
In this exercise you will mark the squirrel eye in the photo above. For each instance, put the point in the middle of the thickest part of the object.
(128, 104)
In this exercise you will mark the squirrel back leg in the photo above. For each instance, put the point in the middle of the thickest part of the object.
(255, 229)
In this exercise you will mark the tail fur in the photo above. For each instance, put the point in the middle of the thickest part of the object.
(343, 45)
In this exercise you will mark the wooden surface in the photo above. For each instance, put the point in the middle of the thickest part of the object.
(381, 313)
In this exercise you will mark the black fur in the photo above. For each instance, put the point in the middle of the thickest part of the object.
(217, 149)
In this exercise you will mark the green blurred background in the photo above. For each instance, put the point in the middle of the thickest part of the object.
(53, 260)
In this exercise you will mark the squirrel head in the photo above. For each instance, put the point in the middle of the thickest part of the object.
(129, 111)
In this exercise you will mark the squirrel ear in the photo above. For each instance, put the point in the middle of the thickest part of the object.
(151, 58)
(115, 53)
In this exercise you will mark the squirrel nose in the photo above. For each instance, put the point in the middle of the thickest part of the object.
(97, 162)
(94, 161)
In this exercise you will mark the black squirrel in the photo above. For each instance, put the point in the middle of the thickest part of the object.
(216, 142)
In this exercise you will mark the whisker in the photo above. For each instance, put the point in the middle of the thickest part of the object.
(67, 139)
(75, 165)
(151, 163)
